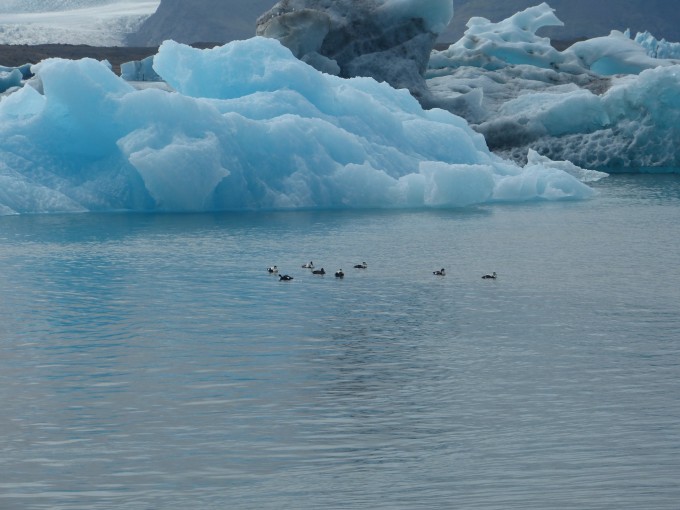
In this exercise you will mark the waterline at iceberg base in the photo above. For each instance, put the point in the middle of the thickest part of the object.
(248, 126)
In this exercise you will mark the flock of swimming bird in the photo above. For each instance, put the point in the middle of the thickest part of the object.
(340, 274)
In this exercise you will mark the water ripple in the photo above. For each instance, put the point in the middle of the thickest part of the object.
(151, 362)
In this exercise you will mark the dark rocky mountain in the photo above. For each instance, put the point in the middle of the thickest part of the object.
(226, 20)
(190, 21)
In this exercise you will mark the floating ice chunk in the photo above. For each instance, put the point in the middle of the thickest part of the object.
(13, 77)
(660, 49)
(512, 41)
(613, 54)
(25, 70)
(10, 79)
(139, 70)
(249, 127)
(603, 103)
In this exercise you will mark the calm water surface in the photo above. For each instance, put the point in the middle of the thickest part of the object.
(150, 362)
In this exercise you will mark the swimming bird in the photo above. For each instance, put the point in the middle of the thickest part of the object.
(339, 274)
(441, 272)
(308, 266)
(319, 271)
(285, 278)
(491, 276)
(273, 270)
(363, 265)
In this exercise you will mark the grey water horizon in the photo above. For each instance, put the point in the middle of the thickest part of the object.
(150, 361)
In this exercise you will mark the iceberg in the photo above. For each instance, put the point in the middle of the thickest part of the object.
(613, 55)
(510, 84)
(139, 70)
(512, 41)
(656, 48)
(10, 79)
(605, 103)
(389, 40)
(246, 126)
(316, 112)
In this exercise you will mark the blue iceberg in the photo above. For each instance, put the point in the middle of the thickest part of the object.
(655, 48)
(11, 77)
(246, 126)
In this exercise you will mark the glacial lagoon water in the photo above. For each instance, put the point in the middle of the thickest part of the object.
(150, 362)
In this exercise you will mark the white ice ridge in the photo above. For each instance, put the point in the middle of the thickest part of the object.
(657, 48)
(249, 127)
(603, 103)
(514, 42)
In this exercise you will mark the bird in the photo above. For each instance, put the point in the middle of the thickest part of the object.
(273, 270)
(441, 272)
(285, 278)
(491, 276)
(363, 265)
(339, 274)
(308, 266)
(319, 271)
